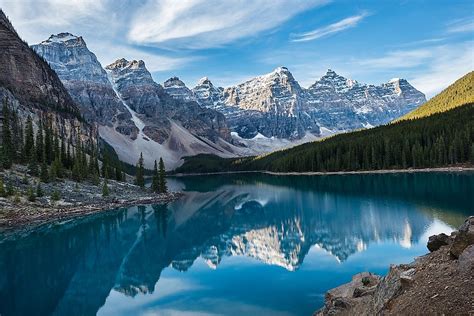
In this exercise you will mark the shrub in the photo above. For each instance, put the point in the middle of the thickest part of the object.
(55, 196)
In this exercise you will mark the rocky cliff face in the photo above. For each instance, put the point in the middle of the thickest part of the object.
(276, 105)
(338, 103)
(168, 126)
(135, 113)
(159, 106)
(33, 88)
(85, 80)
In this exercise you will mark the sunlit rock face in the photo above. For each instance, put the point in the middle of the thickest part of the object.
(135, 114)
(339, 103)
(31, 88)
(275, 105)
(86, 80)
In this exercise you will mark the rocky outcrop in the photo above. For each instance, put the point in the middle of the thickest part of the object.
(28, 77)
(157, 107)
(276, 105)
(134, 113)
(86, 81)
(437, 283)
(338, 103)
(272, 105)
(33, 89)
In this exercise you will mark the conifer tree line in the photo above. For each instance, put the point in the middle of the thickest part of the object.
(158, 183)
(439, 140)
(49, 155)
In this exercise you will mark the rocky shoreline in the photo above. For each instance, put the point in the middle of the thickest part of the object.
(379, 171)
(439, 283)
(18, 213)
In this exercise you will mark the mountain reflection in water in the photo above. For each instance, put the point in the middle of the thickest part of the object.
(270, 224)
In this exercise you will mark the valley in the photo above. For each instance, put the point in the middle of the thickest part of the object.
(160, 158)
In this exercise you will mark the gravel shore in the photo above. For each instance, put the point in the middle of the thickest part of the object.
(75, 200)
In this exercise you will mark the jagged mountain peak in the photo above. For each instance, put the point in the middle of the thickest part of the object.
(173, 82)
(123, 63)
(332, 80)
(204, 81)
(65, 38)
(281, 69)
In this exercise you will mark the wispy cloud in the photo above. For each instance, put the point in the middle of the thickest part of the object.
(461, 26)
(210, 23)
(397, 59)
(154, 62)
(448, 64)
(330, 29)
(99, 22)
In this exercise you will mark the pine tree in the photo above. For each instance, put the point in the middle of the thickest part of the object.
(7, 146)
(105, 188)
(29, 140)
(57, 152)
(68, 156)
(48, 142)
(15, 133)
(76, 171)
(3, 193)
(56, 170)
(140, 179)
(118, 174)
(31, 194)
(39, 190)
(44, 176)
(162, 177)
(155, 185)
(39, 144)
(63, 153)
(10, 189)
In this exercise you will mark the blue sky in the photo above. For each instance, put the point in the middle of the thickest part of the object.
(430, 43)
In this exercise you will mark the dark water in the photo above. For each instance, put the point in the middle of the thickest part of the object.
(233, 245)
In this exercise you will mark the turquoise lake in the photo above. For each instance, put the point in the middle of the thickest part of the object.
(247, 244)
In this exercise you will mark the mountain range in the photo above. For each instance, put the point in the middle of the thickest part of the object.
(136, 114)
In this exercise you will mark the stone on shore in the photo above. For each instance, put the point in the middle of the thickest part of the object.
(436, 241)
(441, 282)
(463, 238)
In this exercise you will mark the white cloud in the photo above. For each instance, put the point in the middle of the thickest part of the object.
(461, 26)
(110, 52)
(99, 22)
(448, 64)
(337, 27)
(429, 69)
(210, 23)
(34, 19)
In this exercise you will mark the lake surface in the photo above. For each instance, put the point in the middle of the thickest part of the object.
(234, 244)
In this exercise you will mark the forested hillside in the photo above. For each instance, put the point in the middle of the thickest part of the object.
(439, 133)
(439, 140)
(459, 93)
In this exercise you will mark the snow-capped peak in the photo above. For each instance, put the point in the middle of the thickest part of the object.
(204, 81)
(394, 80)
(280, 69)
(173, 82)
(62, 38)
(122, 63)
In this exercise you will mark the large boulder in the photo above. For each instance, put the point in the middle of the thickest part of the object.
(463, 238)
(437, 241)
(466, 259)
